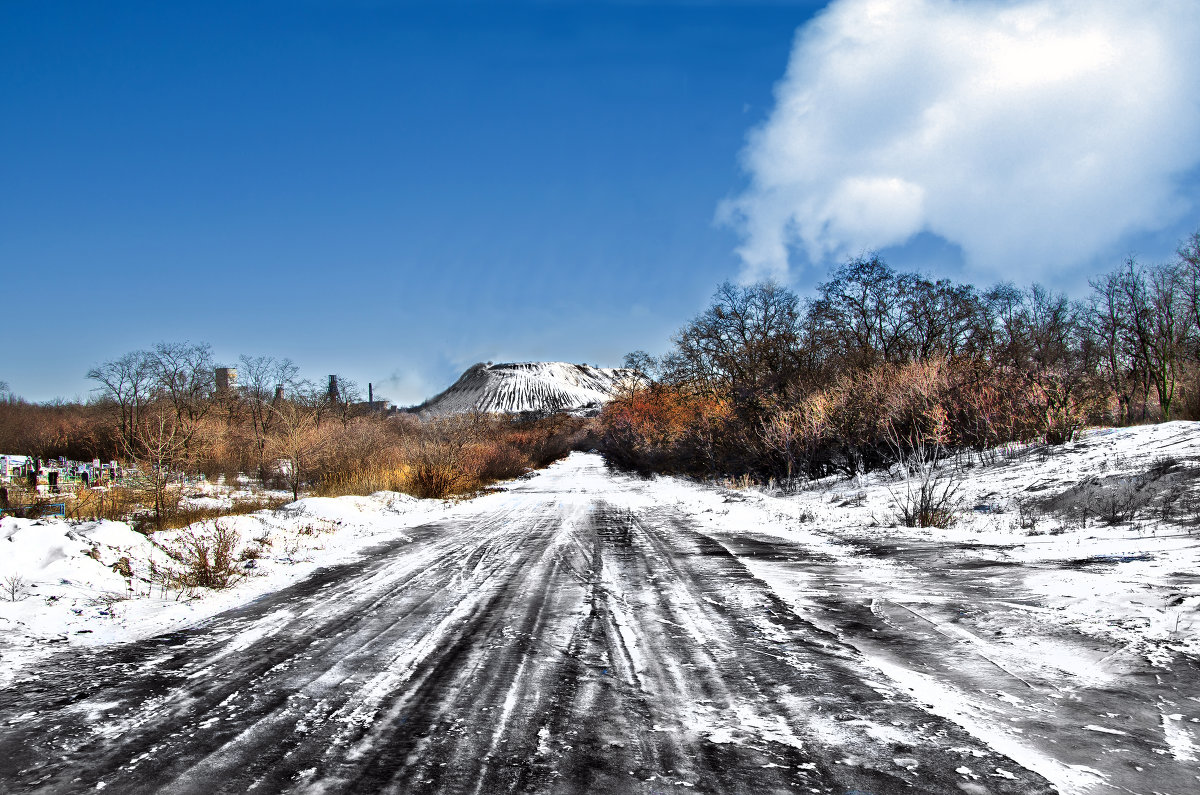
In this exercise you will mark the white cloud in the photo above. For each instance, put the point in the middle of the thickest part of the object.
(1031, 133)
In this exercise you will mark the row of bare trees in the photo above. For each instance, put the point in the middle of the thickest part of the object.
(768, 383)
(177, 379)
(160, 412)
(169, 417)
(1146, 323)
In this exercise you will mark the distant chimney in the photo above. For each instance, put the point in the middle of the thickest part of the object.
(370, 394)
(226, 379)
(333, 389)
(279, 393)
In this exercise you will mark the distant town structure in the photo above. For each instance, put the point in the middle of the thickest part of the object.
(226, 379)
(378, 406)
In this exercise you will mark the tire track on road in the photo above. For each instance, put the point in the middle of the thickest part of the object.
(558, 638)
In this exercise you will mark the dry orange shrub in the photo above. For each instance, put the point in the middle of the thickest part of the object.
(662, 427)
(452, 456)
(862, 420)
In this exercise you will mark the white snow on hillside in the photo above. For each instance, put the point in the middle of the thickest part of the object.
(542, 387)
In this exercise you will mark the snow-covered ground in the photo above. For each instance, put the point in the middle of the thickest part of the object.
(63, 582)
(220, 495)
(1136, 582)
(1064, 641)
(1071, 645)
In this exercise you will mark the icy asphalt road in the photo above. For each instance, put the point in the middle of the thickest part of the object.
(569, 635)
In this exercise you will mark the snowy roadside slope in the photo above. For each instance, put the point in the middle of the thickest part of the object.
(528, 387)
(67, 577)
(1127, 581)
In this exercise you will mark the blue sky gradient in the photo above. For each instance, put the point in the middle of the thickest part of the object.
(391, 191)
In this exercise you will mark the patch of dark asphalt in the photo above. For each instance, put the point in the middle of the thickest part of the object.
(746, 545)
(983, 563)
(922, 554)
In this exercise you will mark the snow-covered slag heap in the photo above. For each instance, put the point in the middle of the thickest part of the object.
(538, 387)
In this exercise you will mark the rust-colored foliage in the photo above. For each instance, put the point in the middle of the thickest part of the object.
(663, 427)
(864, 419)
(452, 456)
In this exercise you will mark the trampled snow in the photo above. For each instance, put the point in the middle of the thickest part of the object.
(1071, 645)
(1060, 645)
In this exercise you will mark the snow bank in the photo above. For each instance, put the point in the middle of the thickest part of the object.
(88, 583)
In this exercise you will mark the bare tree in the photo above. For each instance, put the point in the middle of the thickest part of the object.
(343, 405)
(129, 382)
(1055, 364)
(641, 365)
(258, 378)
(1188, 261)
(743, 346)
(641, 370)
(858, 317)
(183, 374)
(1108, 319)
(1171, 325)
(14, 587)
(299, 442)
(943, 320)
(1159, 324)
(1007, 326)
(158, 447)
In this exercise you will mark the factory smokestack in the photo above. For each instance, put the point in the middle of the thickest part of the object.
(226, 379)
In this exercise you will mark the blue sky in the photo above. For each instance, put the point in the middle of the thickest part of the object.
(394, 191)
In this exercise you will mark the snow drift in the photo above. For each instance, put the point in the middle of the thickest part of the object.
(519, 387)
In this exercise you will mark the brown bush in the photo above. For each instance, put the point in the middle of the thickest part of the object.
(450, 456)
(365, 478)
(440, 469)
(207, 554)
(664, 428)
(499, 460)
(79, 431)
(863, 420)
(114, 503)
